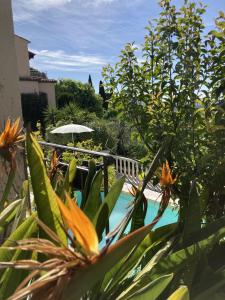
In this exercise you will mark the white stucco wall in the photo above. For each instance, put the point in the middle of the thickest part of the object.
(10, 101)
(49, 89)
(22, 56)
(29, 87)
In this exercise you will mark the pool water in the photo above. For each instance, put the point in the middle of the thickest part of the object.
(170, 215)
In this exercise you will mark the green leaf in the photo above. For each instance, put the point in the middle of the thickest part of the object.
(181, 293)
(199, 110)
(180, 260)
(102, 216)
(87, 277)
(21, 212)
(11, 278)
(138, 216)
(22, 232)
(150, 291)
(8, 187)
(10, 209)
(204, 232)
(87, 186)
(93, 201)
(44, 195)
(132, 260)
(192, 216)
(209, 286)
(69, 178)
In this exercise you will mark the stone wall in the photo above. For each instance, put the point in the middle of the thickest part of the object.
(10, 100)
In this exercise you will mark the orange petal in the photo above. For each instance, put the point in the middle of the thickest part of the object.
(54, 160)
(166, 177)
(80, 225)
(15, 128)
(163, 176)
(5, 133)
(7, 125)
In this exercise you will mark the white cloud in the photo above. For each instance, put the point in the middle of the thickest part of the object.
(25, 11)
(59, 60)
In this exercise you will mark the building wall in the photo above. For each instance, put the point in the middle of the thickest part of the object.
(49, 89)
(29, 87)
(10, 101)
(22, 56)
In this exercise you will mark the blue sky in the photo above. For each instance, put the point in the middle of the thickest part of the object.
(73, 38)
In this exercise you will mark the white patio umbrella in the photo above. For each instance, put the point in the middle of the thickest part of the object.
(72, 128)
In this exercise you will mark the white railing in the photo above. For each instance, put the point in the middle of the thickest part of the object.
(124, 166)
(131, 169)
(127, 166)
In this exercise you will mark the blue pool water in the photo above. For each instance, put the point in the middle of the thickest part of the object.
(121, 207)
(169, 216)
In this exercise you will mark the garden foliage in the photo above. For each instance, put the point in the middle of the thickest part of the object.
(173, 86)
(173, 261)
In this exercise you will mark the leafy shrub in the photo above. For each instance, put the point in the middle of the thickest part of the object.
(176, 92)
(83, 95)
(181, 252)
(64, 99)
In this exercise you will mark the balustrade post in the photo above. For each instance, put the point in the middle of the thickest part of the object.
(128, 169)
(125, 167)
(106, 176)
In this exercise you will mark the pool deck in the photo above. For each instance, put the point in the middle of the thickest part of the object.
(149, 194)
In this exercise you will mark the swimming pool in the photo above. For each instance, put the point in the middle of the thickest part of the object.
(121, 207)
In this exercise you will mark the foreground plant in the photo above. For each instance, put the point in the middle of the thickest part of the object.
(60, 261)
(58, 254)
(9, 139)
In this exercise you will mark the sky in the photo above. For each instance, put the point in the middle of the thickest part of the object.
(75, 38)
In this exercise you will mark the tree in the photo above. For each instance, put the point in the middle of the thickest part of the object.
(90, 81)
(64, 99)
(82, 94)
(178, 74)
(103, 95)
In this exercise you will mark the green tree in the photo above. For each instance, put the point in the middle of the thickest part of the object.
(175, 90)
(90, 81)
(64, 98)
(82, 94)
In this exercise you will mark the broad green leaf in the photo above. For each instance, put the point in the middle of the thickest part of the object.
(150, 291)
(87, 277)
(87, 186)
(199, 110)
(102, 216)
(8, 187)
(11, 278)
(44, 195)
(93, 201)
(69, 178)
(21, 212)
(204, 232)
(138, 217)
(207, 288)
(22, 232)
(150, 244)
(9, 210)
(191, 214)
(181, 293)
(182, 259)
